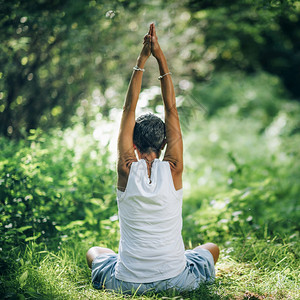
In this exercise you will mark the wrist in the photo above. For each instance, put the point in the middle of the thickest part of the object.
(140, 62)
(159, 56)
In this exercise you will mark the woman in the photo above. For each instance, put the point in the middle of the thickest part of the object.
(151, 250)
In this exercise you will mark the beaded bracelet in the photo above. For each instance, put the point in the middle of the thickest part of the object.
(136, 68)
(162, 76)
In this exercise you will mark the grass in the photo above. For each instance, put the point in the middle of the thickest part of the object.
(272, 273)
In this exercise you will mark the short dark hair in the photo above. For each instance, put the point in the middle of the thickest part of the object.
(149, 133)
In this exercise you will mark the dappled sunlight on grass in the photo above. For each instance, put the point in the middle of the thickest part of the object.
(64, 274)
(246, 280)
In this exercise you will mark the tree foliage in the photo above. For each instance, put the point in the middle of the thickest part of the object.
(52, 52)
(250, 36)
(63, 58)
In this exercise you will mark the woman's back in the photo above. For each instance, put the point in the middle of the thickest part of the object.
(150, 209)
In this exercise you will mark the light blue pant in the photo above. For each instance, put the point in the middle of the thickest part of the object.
(199, 269)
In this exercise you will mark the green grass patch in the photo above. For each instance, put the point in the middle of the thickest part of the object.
(268, 270)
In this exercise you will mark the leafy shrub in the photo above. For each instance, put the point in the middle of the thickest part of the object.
(241, 171)
(48, 186)
(259, 95)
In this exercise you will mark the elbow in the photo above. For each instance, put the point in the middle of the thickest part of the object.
(179, 168)
(176, 166)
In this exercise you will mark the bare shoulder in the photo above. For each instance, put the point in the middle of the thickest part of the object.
(176, 171)
(123, 170)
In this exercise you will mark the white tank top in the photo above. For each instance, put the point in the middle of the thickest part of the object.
(150, 215)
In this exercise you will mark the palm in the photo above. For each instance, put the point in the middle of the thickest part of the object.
(146, 51)
(155, 48)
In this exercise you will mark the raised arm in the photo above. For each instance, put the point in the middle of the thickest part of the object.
(174, 151)
(126, 153)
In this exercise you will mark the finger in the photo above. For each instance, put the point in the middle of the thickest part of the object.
(147, 37)
(149, 32)
(153, 30)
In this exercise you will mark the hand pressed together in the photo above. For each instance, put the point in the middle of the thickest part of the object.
(155, 48)
(150, 44)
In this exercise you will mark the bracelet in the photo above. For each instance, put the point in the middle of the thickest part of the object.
(162, 76)
(136, 68)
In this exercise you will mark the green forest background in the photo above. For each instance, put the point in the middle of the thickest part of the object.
(64, 71)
